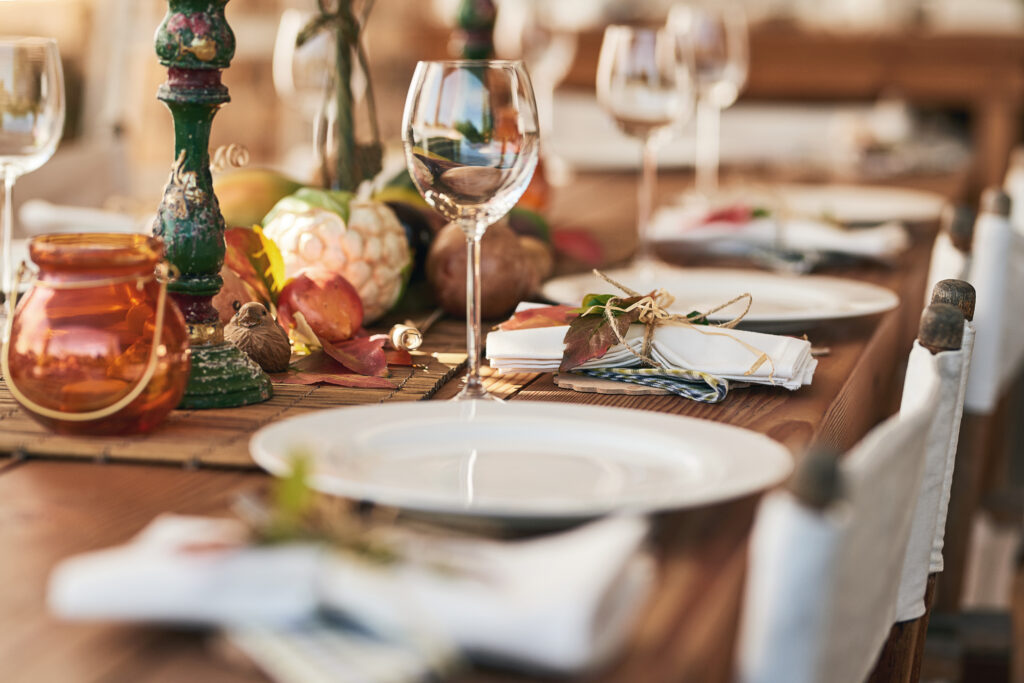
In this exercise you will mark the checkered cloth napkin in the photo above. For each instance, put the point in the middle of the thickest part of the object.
(696, 386)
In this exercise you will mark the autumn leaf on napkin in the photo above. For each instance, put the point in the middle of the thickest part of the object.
(591, 335)
(541, 316)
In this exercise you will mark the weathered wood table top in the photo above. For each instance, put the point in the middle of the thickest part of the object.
(51, 508)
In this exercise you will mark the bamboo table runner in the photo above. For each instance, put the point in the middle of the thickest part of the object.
(221, 437)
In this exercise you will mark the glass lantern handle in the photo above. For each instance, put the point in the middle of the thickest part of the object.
(163, 277)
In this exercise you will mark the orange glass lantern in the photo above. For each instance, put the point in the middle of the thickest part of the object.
(96, 346)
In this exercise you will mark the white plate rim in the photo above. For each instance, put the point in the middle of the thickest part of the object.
(917, 205)
(754, 449)
(877, 299)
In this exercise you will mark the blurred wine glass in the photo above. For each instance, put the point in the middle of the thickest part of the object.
(470, 133)
(302, 74)
(716, 30)
(645, 82)
(531, 30)
(32, 122)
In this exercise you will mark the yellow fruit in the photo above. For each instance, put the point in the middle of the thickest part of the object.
(246, 195)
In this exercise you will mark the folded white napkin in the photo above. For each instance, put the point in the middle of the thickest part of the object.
(724, 353)
(683, 225)
(562, 602)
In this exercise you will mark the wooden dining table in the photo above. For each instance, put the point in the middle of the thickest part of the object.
(52, 508)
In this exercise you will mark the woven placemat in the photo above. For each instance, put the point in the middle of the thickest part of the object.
(221, 437)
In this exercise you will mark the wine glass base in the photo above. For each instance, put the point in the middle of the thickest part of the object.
(475, 392)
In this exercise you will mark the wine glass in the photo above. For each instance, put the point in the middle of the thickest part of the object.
(645, 81)
(531, 31)
(301, 74)
(32, 121)
(470, 134)
(716, 30)
(304, 78)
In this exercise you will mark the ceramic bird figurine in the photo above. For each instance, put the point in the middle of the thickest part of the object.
(254, 331)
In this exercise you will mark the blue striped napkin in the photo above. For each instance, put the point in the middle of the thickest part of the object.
(696, 386)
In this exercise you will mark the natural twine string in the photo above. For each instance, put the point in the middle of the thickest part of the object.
(654, 312)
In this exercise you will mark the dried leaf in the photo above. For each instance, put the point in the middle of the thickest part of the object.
(542, 316)
(590, 336)
(255, 258)
(343, 379)
(398, 357)
(319, 367)
(364, 355)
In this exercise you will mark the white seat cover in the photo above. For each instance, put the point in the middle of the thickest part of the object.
(997, 273)
(948, 263)
(924, 369)
(822, 587)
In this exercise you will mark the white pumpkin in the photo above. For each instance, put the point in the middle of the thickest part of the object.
(359, 238)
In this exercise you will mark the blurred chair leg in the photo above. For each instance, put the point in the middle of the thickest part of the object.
(1017, 615)
(963, 501)
(902, 655)
(896, 659)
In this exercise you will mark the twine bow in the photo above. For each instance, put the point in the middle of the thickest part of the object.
(354, 162)
(654, 312)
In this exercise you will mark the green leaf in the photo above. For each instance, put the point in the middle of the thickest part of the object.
(697, 318)
(760, 212)
(598, 300)
(292, 495)
(306, 198)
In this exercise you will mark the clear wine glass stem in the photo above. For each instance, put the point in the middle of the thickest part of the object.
(474, 387)
(6, 231)
(708, 120)
(645, 201)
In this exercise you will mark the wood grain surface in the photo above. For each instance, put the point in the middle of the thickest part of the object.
(53, 509)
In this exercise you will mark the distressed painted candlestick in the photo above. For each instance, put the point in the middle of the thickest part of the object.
(195, 43)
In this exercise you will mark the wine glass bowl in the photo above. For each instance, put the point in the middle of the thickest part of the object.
(301, 74)
(716, 32)
(31, 101)
(645, 82)
(470, 133)
(32, 121)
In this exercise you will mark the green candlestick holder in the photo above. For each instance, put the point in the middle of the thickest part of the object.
(195, 43)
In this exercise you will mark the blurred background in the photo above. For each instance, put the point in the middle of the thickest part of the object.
(884, 91)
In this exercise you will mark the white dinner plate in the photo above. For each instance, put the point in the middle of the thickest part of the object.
(780, 302)
(861, 203)
(525, 462)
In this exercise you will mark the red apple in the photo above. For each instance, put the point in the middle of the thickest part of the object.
(326, 301)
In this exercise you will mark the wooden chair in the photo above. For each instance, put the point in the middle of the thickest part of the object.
(901, 658)
(825, 573)
(951, 252)
(997, 272)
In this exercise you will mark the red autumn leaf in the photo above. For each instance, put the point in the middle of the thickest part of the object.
(738, 214)
(344, 379)
(398, 357)
(542, 316)
(578, 245)
(364, 355)
(319, 367)
(590, 336)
